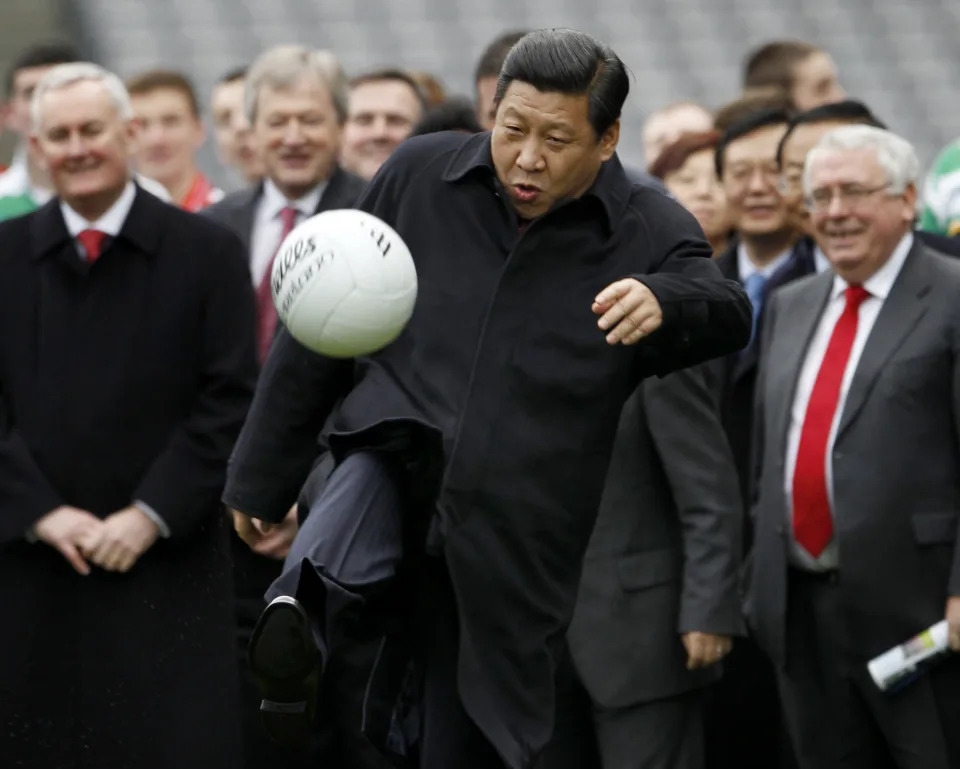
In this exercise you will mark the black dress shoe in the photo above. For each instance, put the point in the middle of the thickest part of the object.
(287, 666)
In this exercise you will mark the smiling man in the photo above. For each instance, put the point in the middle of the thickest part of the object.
(859, 472)
(171, 132)
(477, 443)
(126, 367)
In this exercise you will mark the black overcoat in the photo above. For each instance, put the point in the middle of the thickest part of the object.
(503, 358)
(123, 380)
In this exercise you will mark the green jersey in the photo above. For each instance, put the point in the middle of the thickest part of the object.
(16, 205)
(941, 194)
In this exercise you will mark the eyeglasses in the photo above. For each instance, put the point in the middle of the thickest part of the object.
(852, 195)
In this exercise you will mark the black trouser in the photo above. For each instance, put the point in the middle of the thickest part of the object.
(837, 716)
(344, 567)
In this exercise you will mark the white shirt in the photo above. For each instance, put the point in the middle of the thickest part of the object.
(878, 286)
(111, 223)
(268, 226)
(746, 267)
(820, 261)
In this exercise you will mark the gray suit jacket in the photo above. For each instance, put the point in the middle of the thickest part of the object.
(896, 458)
(665, 553)
(238, 209)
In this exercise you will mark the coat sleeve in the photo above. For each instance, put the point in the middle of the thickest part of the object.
(25, 493)
(704, 315)
(297, 391)
(185, 481)
(685, 426)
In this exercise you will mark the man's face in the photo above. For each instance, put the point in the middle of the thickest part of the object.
(486, 109)
(170, 134)
(857, 221)
(380, 115)
(751, 181)
(801, 140)
(815, 82)
(18, 108)
(663, 128)
(84, 144)
(296, 133)
(545, 149)
(231, 130)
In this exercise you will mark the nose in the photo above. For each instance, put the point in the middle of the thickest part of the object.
(76, 145)
(530, 158)
(758, 181)
(293, 133)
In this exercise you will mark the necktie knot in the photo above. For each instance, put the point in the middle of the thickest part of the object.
(288, 216)
(92, 242)
(856, 295)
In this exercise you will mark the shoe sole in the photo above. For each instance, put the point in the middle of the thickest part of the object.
(284, 660)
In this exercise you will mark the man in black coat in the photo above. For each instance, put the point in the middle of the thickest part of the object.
(296, 109)
(526, 240)
(659, 600)
(127, 365)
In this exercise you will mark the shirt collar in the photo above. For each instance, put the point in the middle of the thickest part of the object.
(820, 261)
(275, 201)
(611, 188)
(112, 220)
(881, 282)
(746, 268)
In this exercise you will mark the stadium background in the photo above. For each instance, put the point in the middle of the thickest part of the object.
(902, 57)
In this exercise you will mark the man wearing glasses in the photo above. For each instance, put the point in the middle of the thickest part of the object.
(858, 492)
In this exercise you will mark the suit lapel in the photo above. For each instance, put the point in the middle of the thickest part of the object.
(797, 323)
(901, 311)
(333, 194)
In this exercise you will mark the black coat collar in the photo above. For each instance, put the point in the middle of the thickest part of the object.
(142, 228)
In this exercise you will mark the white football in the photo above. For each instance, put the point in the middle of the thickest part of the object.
(344, 283)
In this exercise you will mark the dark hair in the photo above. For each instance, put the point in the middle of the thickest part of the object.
(773, 64)
(454, 114)
(847, 111)
(756, 100)
(430, 86)
(232, 75)
(674, 155)
(387, 74)
(41, 55)
(157, 79)
(749, 124)
(493, 56)
(571, 62)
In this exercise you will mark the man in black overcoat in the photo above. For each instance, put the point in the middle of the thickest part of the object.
(526, 240)
(127, 364)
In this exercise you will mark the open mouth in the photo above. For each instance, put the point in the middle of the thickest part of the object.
(526, 192)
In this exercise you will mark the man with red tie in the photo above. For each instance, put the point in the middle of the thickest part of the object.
(857, 506)
(295, 101)
(127, 364)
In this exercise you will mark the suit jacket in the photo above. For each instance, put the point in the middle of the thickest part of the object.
(238, 210)
(896, 459)
(665, 554)
(124, 379)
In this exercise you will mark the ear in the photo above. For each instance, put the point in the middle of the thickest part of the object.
(37, 151)
(910, 202)
(609, 140)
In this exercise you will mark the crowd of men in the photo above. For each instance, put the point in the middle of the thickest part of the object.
(676, 547)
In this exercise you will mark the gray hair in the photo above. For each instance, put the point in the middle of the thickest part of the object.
(281, 66)
(895, 155)
(64, 75)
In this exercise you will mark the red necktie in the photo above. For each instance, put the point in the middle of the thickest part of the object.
(266, 311)
(812, 521)
(92, 242)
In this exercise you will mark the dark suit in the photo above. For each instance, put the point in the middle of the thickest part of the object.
(743, 714)
(254, 573)
(126, 379)
(663, 561)
(895, 500)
